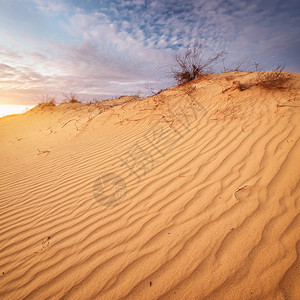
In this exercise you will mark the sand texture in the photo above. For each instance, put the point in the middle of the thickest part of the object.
(193, 193)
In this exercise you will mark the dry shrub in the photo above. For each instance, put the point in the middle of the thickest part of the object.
(72, 98)
(192, 64)
(275, 79)
(47, 101)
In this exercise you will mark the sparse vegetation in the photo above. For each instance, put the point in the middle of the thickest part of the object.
(72, 98)
(193, 64)
(275, 79)
(47, 101)
(244, 65)
(153, 92)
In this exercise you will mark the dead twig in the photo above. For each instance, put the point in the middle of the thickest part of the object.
(287, 105)
(239, 190)
(69, 122)
(43, 152)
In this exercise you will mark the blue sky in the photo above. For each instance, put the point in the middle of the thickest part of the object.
(102, 49)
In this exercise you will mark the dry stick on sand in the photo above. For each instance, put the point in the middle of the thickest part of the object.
(239, 190)
(287, 105)
(42, 152)
(90, 119)
(68, 122)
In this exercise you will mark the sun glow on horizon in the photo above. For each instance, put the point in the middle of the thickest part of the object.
(6, 110)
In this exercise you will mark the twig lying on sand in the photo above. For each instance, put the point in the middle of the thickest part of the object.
(239, 190)
(284, 105)
(42, 152)
(68, 122)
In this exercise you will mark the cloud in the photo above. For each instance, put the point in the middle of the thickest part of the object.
(52, 6)
(101, 63)
(108, 48)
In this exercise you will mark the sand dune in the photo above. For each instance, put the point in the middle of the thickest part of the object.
(190, 194)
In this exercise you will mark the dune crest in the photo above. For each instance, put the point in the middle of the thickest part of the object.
(193, 193)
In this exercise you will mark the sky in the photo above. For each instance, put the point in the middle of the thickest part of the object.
(100, 49)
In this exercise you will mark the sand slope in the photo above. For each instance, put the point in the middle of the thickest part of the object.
(191, 194)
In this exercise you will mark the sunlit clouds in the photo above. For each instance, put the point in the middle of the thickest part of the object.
(101, 49)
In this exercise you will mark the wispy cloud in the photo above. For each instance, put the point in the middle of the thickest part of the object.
(52, 6)
(107, 48)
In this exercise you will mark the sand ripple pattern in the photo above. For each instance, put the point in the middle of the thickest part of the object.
(210, 198)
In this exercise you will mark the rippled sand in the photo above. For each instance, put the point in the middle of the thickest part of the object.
(190, 194)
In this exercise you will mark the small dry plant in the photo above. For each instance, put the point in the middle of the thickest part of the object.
(244, 65)
(47, 101)
(276, 79)
(72, 98)
(193, 64)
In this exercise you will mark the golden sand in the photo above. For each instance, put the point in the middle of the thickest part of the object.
(190, 194)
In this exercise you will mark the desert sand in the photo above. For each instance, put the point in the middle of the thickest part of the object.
(193, 193)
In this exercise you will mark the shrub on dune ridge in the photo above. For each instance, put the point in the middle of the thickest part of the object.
(192, 64)
(272, 80)
(47, 101)
(275, 79)
(72, 98)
